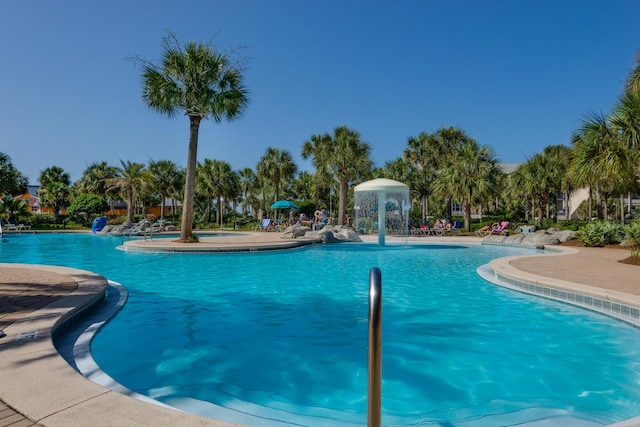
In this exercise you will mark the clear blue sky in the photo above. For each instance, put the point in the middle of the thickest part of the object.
(515, 75)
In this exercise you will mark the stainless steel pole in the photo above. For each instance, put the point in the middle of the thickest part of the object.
(374, 401)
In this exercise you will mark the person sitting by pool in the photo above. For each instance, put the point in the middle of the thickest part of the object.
(492, 227)
(320, 219)
(488, 229)
(302, 219)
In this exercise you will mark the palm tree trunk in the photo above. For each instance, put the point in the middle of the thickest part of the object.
(598, 202)
(130, 207)
(186, 230)
(343, 202)
(467, 215)
(162, 208)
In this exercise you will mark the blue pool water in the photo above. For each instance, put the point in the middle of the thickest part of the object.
(282, 336)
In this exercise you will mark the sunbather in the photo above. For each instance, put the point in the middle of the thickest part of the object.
(492, 227)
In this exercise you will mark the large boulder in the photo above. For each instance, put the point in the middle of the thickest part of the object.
(333, 234)
(537, 239)
(295, 231)
(129, 228)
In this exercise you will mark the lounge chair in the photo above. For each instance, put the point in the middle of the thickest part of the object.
(6, 225)
(457, 226)
(264, 225)
(503, 229)
(485, 231)
(423, 230)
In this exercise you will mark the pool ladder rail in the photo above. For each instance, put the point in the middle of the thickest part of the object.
(374, 400)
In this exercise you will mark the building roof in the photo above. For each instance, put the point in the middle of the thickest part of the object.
(508, 167)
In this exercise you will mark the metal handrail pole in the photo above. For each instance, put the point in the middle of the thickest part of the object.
(374, 401)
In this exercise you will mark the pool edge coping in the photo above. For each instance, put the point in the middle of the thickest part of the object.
(40, 385)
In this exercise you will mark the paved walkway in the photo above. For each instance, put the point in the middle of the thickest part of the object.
(41, 386)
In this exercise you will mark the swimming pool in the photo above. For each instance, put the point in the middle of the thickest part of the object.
(282, 336)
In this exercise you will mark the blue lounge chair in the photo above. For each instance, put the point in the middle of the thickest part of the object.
(264, 225)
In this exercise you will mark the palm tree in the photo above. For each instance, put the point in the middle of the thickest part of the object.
(602, 158)
(13, 208)
(247, 183)
(470, 174)
(94, 179)
(131, 177)
(54, 189)
(632, 85)
(216, 179)
(423, 152)
(318, 147)
(168, 179)
(304, 186)
(278, 168)
(541, 176)
(626, 120)
(199, 82)
(560, 156)
(348, 160)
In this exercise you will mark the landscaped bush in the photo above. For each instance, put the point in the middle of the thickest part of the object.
(632, 237)
(600, 233)
(572, 224)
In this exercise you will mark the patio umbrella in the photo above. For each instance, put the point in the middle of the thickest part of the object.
(285, 204)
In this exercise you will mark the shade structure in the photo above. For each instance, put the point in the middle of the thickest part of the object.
(285, 204)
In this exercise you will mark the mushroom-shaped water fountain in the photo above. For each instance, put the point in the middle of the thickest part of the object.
(388, 199)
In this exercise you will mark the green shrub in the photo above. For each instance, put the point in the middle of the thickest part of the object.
(600, 233)
(632, 237)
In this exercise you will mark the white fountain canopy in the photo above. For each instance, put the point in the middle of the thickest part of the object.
(383, 184)
(383, 189)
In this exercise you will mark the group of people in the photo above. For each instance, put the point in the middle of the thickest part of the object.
(438, 227)
(319, 220)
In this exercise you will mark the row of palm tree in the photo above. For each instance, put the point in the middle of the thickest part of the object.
(200, 82)
(445, 166)
(604, 157)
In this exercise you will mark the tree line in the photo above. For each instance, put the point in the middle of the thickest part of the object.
(442, 168)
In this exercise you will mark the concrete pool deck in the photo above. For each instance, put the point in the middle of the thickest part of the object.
(39, 388)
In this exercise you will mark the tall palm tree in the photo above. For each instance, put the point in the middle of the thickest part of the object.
(216, 179)
(470, 174)
(560, 156)
(130, 178)
(278, 168)
(541, 178)
(424, 154)
(247, 183)
(54, 189)
(349, 160)
(199, 82)
(318, 147)
(601, 158)
(168, 179)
